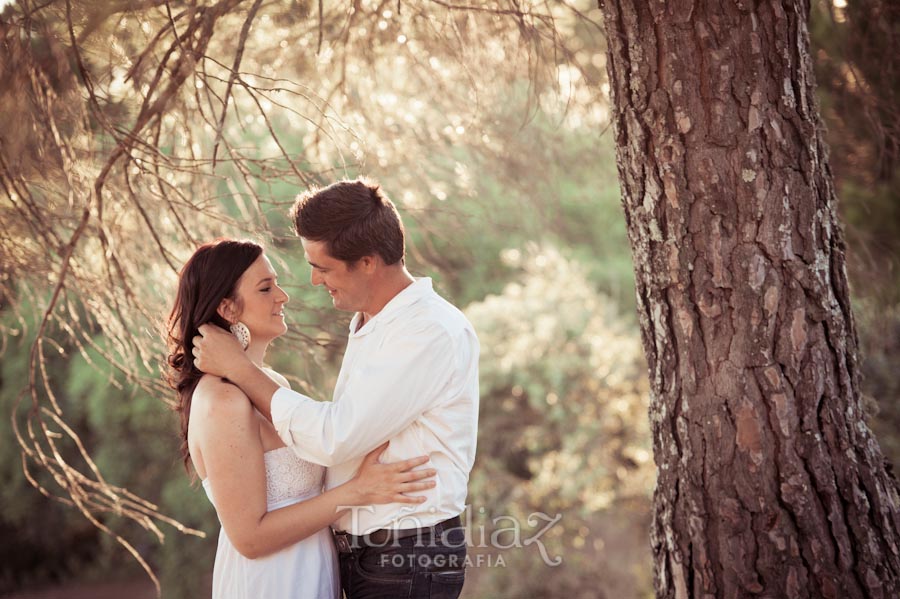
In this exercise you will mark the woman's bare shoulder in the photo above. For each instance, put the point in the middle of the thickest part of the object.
(216, 398)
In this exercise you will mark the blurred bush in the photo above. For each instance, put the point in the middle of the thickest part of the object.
(563, 432)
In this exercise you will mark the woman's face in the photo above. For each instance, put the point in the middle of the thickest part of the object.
(261, 301)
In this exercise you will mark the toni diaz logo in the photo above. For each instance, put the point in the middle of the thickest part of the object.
(502, 532)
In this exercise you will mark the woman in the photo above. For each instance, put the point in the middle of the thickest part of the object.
(275, 541)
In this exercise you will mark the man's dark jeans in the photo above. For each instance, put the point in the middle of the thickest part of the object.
(430, 565)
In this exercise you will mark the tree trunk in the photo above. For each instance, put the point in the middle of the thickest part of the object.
(770, 483)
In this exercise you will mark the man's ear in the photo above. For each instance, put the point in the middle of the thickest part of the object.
(227, 310)
(369, 264)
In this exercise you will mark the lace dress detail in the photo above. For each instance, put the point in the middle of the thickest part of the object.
(289, 477)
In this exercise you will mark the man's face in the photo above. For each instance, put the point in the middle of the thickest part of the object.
(349, 288)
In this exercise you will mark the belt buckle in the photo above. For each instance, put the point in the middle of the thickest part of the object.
(342, 540)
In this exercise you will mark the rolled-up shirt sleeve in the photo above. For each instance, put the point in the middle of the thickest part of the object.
(411, 373)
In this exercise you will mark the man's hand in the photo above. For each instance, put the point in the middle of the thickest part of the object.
(216, 351)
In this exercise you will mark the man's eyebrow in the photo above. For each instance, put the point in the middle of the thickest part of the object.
(313, 264)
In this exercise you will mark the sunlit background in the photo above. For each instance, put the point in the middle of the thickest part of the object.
(488, 126)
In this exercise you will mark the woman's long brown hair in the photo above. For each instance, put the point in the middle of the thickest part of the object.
(208, 277)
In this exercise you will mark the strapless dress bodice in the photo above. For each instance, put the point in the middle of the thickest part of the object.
(289, 479)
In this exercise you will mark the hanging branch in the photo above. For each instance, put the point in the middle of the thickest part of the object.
(235, 68)
(110, 173)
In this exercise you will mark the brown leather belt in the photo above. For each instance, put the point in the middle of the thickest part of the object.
(382, 537)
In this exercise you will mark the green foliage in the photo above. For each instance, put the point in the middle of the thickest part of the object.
(559, 186)
(132, 439)
(563, 426)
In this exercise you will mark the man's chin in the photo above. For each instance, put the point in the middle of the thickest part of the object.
(338, 305)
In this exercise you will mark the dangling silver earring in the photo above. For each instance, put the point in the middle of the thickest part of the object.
(240, 330)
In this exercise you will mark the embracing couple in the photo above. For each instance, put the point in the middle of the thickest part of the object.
(363, 493)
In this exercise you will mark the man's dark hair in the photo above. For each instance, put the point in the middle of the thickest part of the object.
(353, 218)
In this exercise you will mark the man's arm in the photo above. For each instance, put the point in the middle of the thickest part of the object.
(217, 352)
(408, 376)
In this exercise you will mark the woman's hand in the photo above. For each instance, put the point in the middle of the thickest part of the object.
(388, 483)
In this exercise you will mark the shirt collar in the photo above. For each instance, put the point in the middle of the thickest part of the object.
(418, 289)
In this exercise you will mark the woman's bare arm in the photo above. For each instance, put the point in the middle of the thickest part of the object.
(233, 456)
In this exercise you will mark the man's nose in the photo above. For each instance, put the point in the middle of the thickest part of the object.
(315, 278)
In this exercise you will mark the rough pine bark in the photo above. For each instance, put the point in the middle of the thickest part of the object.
(770, 482)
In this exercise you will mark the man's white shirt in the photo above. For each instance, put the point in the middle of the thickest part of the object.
(409, 375)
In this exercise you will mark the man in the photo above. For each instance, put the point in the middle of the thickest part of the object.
(409, 375)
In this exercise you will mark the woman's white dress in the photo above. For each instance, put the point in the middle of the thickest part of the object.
(305, 570)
